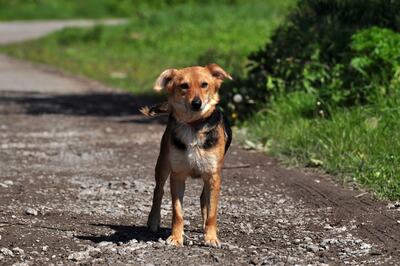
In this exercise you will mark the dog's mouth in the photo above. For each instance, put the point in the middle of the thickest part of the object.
(196, 110)
(185, 112)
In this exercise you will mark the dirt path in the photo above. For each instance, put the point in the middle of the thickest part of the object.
(76, 178)
(17, 31)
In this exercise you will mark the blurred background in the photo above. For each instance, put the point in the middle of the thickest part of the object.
(316, 82)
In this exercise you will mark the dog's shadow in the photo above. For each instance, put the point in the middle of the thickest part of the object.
(125, 233)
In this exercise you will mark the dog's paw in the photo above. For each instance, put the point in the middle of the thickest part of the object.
(153, 227)
(175, 241)
(212, 242)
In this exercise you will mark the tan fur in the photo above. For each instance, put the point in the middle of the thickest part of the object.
(194, 161)
(158, 109)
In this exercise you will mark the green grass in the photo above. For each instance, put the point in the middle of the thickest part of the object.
(131, 56)
(360, 144)
(68, 9)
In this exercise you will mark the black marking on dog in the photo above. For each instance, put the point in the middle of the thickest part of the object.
(228, 133)
(177, 142)
(173, 124)
(211, 138)
(210, 124)
(194, 174)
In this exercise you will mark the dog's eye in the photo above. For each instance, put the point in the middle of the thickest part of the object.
(204, 85)
(184, 86)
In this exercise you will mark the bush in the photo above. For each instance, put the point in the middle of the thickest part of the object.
(375, 64)
(330, 48)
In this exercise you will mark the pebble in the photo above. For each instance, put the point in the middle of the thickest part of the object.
(327, 226)
(7, 252)
(312, 248)
(35, 253)
(281, 201)
(229, 246)
(31, 211)
(394, 205)
(291, 260)
(365, 246)
(94, 252)
(307, 239)
(105, 243)
(18, 250)
(9, 182)
(78, 256)
(134, 241)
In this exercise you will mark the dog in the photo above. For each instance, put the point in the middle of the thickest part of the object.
(194, 144)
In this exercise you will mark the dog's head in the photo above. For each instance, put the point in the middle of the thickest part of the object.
(192, 91)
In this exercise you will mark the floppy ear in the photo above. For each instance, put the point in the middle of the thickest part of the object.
(217, 72)
(164, 78)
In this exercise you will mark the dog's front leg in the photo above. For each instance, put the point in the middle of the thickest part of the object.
(162, 172)
(177, 192)
(212, 184)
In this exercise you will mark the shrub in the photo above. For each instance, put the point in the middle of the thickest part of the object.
(375, 64)
(330, 48)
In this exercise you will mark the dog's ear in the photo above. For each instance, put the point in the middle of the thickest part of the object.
(164, 78)
(217, 72)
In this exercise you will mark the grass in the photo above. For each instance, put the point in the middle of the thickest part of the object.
(62, 9)
(360, 144)
(131, 56)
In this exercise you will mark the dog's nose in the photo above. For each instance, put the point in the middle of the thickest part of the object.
(196, 104)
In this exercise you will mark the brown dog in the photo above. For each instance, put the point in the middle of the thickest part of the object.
(194, 144)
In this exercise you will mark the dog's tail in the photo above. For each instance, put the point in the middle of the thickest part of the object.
(158, 109)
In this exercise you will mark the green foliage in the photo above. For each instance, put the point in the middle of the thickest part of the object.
(376, 63)
(318, 50)
(131, 56)
(62, 9)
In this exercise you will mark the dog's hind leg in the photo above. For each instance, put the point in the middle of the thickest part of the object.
(162, 172)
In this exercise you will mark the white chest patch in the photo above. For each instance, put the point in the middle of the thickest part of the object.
(193, 158)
